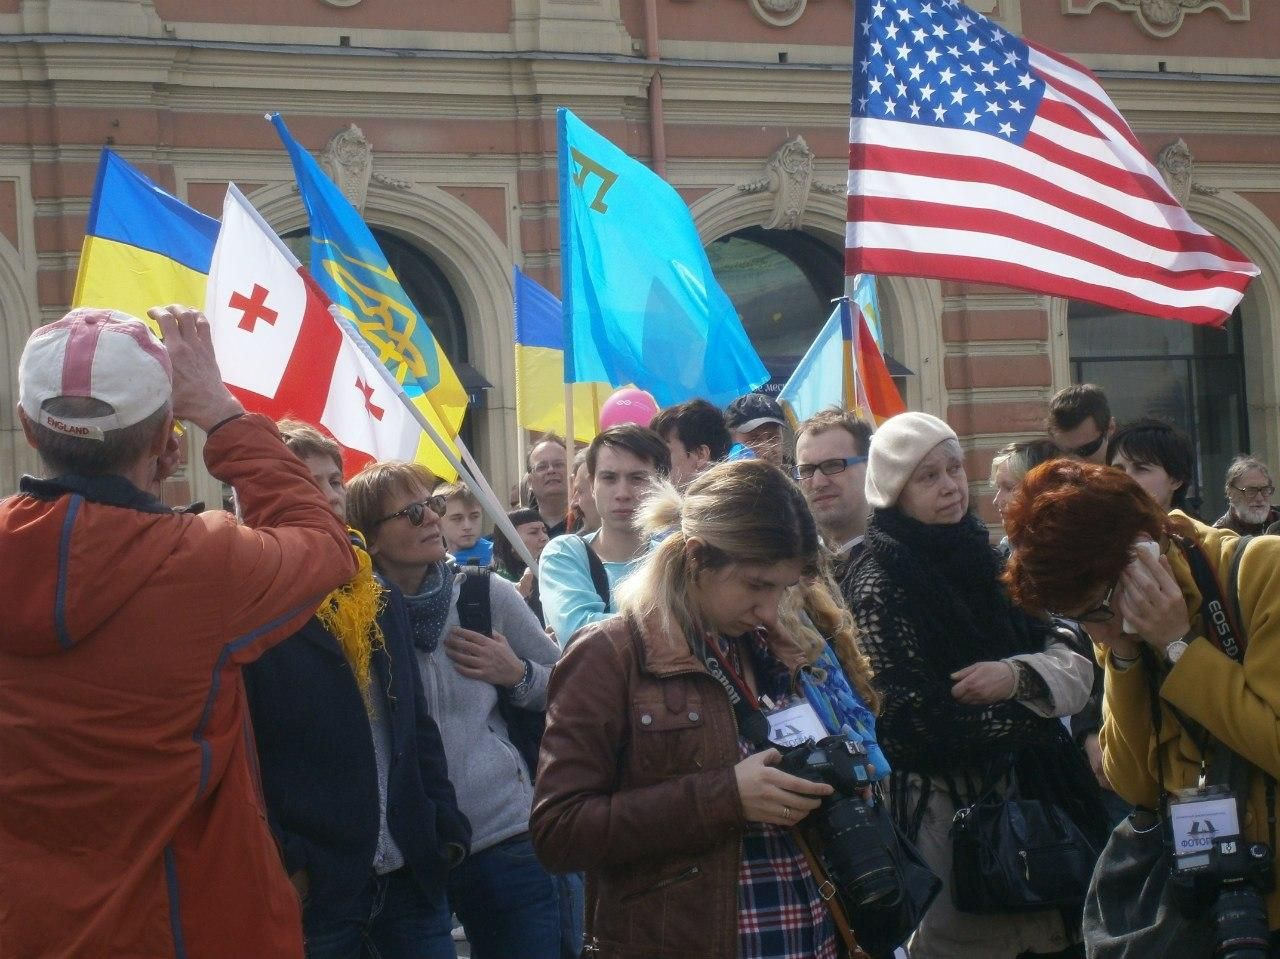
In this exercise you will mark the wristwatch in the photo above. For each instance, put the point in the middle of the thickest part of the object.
(1173, 652)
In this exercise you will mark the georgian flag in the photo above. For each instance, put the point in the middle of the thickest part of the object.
(283, 354)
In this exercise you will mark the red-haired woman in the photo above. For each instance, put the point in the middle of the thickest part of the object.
(965, 678)
(1074, 527)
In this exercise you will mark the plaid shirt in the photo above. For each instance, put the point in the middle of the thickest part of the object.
(780, 914)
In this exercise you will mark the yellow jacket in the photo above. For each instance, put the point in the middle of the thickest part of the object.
(1238, 703)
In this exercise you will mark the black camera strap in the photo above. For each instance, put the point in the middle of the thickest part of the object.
(752, 723)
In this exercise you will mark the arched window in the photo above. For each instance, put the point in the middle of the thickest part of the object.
(432, 295)
(1192, 376)
(782, 283)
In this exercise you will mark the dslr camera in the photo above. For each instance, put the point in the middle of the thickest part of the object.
(1230, 889)
(854, 850)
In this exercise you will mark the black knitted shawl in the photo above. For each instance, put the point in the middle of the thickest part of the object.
(927, 601)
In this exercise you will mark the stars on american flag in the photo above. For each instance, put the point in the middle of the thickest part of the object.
(935, 63)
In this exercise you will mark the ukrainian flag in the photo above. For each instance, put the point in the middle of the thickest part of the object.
(142, 247)
(539, 329)
(353, 272)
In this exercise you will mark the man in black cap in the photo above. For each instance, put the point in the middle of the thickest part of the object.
(756, 421)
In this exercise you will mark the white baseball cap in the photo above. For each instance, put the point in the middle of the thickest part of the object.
(97, 353)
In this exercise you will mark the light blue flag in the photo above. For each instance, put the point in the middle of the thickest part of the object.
(641, 304)
(819, 378)
(865, 298)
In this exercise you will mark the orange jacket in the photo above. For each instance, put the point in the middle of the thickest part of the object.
(131, 821)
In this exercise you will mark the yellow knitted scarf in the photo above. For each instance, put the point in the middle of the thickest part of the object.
(350, 614)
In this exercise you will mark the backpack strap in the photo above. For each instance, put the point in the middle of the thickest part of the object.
(474, 612)
(599, 576)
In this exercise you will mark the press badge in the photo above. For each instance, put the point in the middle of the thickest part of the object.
(1198, 818)
(795, 724)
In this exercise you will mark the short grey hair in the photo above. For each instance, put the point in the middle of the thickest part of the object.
(116, 452)
(1241, 465)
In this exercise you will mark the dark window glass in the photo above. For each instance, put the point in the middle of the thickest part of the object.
(1192, 376)
(782, 283)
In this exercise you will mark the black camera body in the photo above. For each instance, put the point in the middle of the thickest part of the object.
(853, 847)
(1231, 891)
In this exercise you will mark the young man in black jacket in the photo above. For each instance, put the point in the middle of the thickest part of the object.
(353, 770)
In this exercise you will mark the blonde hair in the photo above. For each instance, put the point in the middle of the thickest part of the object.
(369, 490)
(812, 616)
(746, 511)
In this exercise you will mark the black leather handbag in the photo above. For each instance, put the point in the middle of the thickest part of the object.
(1018, 855)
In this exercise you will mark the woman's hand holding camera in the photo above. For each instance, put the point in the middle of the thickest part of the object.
(1149, 598)
(772, 796)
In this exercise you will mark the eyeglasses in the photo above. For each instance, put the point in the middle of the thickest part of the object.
(415, 513)
(805, 471)
(1084, 452)
(1254, 490)
(546, 466)
(1102, 613)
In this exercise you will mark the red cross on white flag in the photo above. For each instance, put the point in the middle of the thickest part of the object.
(283, 354)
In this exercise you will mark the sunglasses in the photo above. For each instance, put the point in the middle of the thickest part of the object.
(415, 513)
(805, 471)
(1102, 613)
(1084, 452)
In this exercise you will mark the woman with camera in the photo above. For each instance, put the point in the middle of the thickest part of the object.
(971, 686)
(652, 778)
(1186, 619)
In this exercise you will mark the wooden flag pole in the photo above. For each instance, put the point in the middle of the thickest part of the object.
(570, 448)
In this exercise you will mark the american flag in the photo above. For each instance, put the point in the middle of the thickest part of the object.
(976, 156)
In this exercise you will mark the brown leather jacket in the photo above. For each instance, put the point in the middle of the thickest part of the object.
(636, 788)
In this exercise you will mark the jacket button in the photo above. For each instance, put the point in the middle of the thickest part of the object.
(694, 717)
(646, 720)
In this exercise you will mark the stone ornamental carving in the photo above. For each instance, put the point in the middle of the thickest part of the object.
(778, 13)
(348, 159)
(1163, 18)
(788, 176)
(1177, 166)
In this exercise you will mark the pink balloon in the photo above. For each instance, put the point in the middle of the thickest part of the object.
(627, 405)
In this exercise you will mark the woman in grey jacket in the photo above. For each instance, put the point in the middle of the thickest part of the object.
(504, 898)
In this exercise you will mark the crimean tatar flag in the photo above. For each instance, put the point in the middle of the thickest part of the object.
(142, 247)
(641, 304)
(539, 337)
(354, 273)
(283, 354)
(976, 156)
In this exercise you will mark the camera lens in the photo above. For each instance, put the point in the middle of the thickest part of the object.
(855, 851)
(1240, 919)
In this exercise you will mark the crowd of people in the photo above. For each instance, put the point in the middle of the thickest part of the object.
(764, 694)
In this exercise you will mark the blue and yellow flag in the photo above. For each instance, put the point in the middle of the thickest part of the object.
(641, 304)
(539, 327)
(823, 377)
(353, 272)
(142, 247)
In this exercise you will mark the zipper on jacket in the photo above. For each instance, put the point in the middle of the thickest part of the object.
(678, 878)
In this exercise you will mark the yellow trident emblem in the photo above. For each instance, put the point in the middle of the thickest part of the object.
(384, 322)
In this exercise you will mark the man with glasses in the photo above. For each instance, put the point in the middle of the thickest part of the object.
(1080, 423)
(549, 482)
(831, 468)
(1249, 488)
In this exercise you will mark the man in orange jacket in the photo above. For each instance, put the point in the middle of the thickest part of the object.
(131, 822)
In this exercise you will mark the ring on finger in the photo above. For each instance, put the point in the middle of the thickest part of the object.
(786, 813)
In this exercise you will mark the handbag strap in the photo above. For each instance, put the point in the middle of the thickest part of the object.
(827, 892)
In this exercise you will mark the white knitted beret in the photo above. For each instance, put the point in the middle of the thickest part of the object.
(897, 448)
